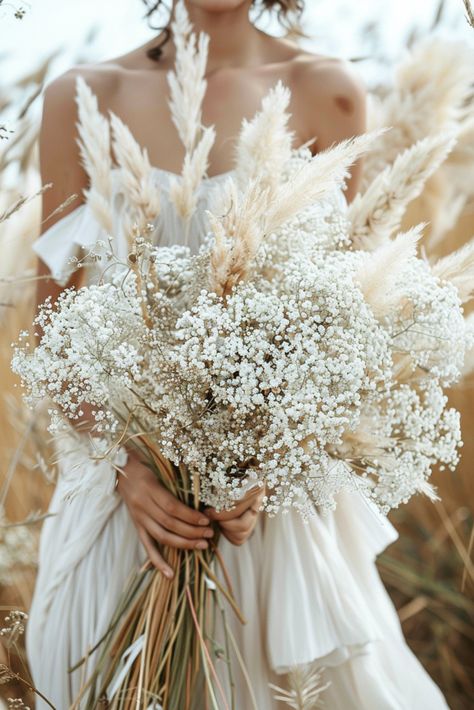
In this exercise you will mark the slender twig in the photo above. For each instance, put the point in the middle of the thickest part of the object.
(469, 12)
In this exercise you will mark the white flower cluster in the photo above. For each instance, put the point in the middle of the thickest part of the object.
(290, 380)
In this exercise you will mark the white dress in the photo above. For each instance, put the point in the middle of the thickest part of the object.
(309, 592)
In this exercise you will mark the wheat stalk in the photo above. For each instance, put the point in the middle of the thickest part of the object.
(94, 146)
(377, 213)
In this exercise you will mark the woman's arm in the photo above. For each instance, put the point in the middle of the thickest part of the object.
(157, 515)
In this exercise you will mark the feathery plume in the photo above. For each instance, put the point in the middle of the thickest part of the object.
(458, 268)
(257, 211)
(264, 143)
(136, 173)
(187, 84)
(379, 272)
(326, 171)
(420, 103)
(94, 146)
(376, 214)
(187, 89)
(305, 688)
(468, 367)
(183, 191)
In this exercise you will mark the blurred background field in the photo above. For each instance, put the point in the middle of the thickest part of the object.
(428, 570)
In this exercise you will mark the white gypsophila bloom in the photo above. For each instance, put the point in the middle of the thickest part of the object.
(421, 432)
(428, 325)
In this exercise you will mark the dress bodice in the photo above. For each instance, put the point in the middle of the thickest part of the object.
(78, 233)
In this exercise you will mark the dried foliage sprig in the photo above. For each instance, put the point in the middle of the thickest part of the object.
(305, 688)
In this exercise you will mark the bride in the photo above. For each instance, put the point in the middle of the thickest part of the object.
(310, 593)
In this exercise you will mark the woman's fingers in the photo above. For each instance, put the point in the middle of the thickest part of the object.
(192, 532)
(165, 537)
(175, 509)
(155, 558)
(251, 501)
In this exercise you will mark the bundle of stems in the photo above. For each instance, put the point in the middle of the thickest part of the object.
(158, 650)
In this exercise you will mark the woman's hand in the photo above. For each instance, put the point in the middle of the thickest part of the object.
(238, 524)
(159, 516)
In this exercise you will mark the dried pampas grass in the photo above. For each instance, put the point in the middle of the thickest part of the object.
(380, 270)
(305, 688)
(264, 144)
(378, 212)
(187, 88)
(136, 174)
(458, 268)
(94, 146)
(420, 102)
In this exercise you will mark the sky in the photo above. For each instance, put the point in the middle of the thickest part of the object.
(335, 27)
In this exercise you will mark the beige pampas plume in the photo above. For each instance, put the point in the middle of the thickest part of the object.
(187, 84)
(377, 213)
(187, 88)
(264, 143)
(183, 191)
(428, 94)
(136, 174)
(238, 235)
(257, 211)
(305, 687)
(458, 268)
(381, 268)
(94, 145)
(468, 368)
(326, 171)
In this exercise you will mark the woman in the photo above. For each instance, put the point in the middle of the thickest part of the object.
(310, 593)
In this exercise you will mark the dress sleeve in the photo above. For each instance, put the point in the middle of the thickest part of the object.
(71, 236)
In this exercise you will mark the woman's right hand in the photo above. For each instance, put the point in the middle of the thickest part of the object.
(159, 516)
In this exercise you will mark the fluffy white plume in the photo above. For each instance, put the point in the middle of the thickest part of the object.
(136, 173)
(468, 368)
(379, 272)
(264, 144)
(187, 89)
(377, 213)
(326, 171)
(94, 145)
(458, 268)
(420, 102)
(183, 191)
(187, 83)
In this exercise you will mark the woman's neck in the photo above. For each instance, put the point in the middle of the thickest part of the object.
(233, 39)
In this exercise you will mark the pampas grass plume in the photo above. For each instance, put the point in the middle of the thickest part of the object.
(94, 146)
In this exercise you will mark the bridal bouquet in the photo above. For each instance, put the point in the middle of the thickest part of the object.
(305, 348)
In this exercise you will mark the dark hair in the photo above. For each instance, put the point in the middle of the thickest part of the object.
(288, 13)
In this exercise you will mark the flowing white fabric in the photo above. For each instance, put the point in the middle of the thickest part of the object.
(310, 593)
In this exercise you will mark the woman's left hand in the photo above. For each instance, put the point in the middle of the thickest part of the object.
(239, 523)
